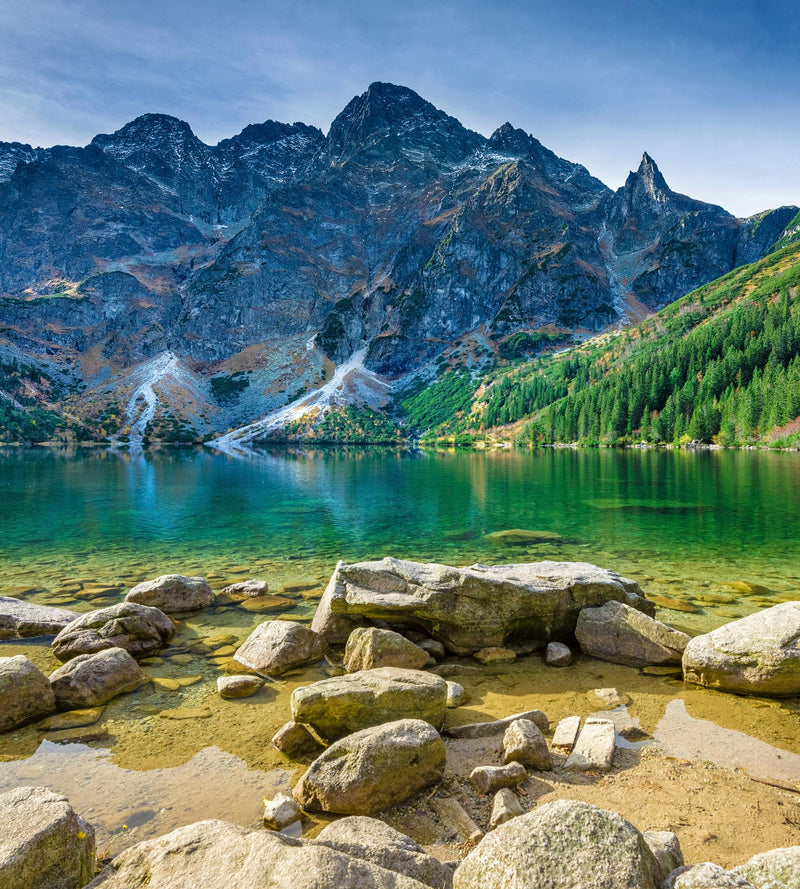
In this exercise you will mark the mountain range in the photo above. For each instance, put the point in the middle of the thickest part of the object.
(150, 281)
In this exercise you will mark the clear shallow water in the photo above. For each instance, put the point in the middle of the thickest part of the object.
(710, 535)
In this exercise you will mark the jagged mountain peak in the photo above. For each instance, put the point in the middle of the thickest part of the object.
(148, 127)
(650, 178)
(268, 132)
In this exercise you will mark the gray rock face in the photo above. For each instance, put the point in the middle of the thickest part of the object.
(218, 855)
(277, 646)
(20, 619)
(706, 876)
(666, 847)
(618, 633)
(342, 704)
(368, 647)
(776, 869)
(505, 807)
(371, 840)
(523, 742)
(25, 693)
(759, 654)
(562, 845)
(373, 768)
(468, 609)
(139, 629)
(92, 679)
(43, 844)
(173, 593)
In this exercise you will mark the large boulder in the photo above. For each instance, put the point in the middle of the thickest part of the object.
(25, 693)
(562, 845)
(139, 629)
(369, 647)
(374, 841)
(342, 704)
(468, 609)
(92, 679)
(708, 876)
(19, 619)
(219, 855)
(277, 646)
(758, 655)
(43, 843)
(372, 769)
(623, 635)
(173, 593)
(776, 869)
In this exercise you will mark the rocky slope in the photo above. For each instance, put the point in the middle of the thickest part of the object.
(252, 268)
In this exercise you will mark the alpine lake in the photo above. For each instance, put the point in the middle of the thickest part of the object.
(710, 536)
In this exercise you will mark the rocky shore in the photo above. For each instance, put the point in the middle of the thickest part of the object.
(377, 750)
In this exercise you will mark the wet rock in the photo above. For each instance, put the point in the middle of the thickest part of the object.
(523, 742)
(558, 655)
(218, 855)
(524, 537)
(666, 848)
(72, 719)
(235, 687)
(594, 749)
(139, 629)
(452, 813)
(342, 704)
(562, 845)
(19, 619)
(25, 693)
(277, 646)
(368, 647)
(488, 779)
(566, 733)
(607, 698)
(505, 807)
(707, 876)
(448, 670)
(494, 655)
(497, 726)
(758, 655)
(371, 840)
(776, 869)
(294, 739)
(620, 634)
(434, 648)
(173, 593)
(468, 609)
(245, 589)
(43, 843)
(89, 680)
(373, 768)
(456, 695)
(280, 812)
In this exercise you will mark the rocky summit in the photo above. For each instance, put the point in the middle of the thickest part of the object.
(155, 284)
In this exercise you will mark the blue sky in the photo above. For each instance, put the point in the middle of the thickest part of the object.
(710, 89)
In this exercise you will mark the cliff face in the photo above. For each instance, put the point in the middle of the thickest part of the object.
(281, 250)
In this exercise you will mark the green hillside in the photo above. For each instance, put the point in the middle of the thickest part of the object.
(722, 364)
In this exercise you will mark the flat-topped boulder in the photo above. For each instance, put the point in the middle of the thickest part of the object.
(20, 620)
(25, 693)
(277, 646)
(758, 655)
(92, 679)
(43, 843)
(343, 704)
(373, 768)
(139, 629)
(173, 593)
(620, 634)
(468, 609)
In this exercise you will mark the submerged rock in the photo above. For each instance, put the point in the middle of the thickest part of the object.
(620, 634)
(25, 693)
(277, 646)
(43, 843)
(759, 654)
(19, 619)
(92, 679)
(373, 768)
(246, 589)
(139, 629)
(342, 704)
(562, 845)
(368, 647)
(468, 609)
(173, 593)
